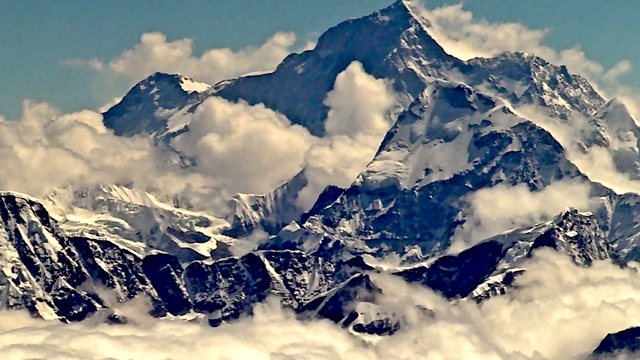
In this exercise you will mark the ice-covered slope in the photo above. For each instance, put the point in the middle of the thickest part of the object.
(138, 221)
(526, 79)
(269, 212)
(619, 134)
(39, 267)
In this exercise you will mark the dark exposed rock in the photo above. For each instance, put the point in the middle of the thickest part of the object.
(623, 342)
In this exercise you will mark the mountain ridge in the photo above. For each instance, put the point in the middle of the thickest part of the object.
(458, 130)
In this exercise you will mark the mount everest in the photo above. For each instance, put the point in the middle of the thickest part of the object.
(459, 129)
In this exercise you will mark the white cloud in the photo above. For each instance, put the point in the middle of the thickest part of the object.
(356, 124)
(504, 207)
(270, 334)
(358, 104)
(156, 53)
(44, 148)
(236, 147)
(466, 37)
(252, 149)
(595, 162)
(248, 149)
(559, 311)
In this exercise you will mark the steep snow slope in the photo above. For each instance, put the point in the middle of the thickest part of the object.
(523, 78)
(451, 142)
(620, 136)
(270, 212)
(137, 221)
(59, 277)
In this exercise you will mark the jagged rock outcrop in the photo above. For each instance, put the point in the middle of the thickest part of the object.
(69, 278)
(146, 108)
(621, 345)
(270, 212)
(490, 267)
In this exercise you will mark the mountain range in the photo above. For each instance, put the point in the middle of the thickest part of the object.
(459, 128)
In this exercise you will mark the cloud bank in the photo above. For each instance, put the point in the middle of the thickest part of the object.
(44, 148)
(596, 162)
(356, 124)
(559, 311)
(248, 148)
(504, 207)
(236, 148)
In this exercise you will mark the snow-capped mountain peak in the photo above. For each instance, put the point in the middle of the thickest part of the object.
(146, 108)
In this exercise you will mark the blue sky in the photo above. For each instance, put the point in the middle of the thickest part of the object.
(36, 36)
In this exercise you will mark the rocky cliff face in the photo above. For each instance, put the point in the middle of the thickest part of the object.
(69, 278)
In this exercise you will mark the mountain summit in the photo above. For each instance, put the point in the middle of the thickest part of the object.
(146, 108)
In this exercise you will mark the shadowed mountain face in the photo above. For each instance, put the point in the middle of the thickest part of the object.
(624, 344)
(147, 106)
(450, 143)
(450, 140)
(391, 44)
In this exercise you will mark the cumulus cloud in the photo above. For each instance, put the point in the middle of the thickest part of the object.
(559, 311)
(356, 124)
(44, 148)
(504, 207)
(156, 53)
(271, 333)
(595, 162)
(239, 148)
(252, 149)
(248, 148)
(464, 36)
